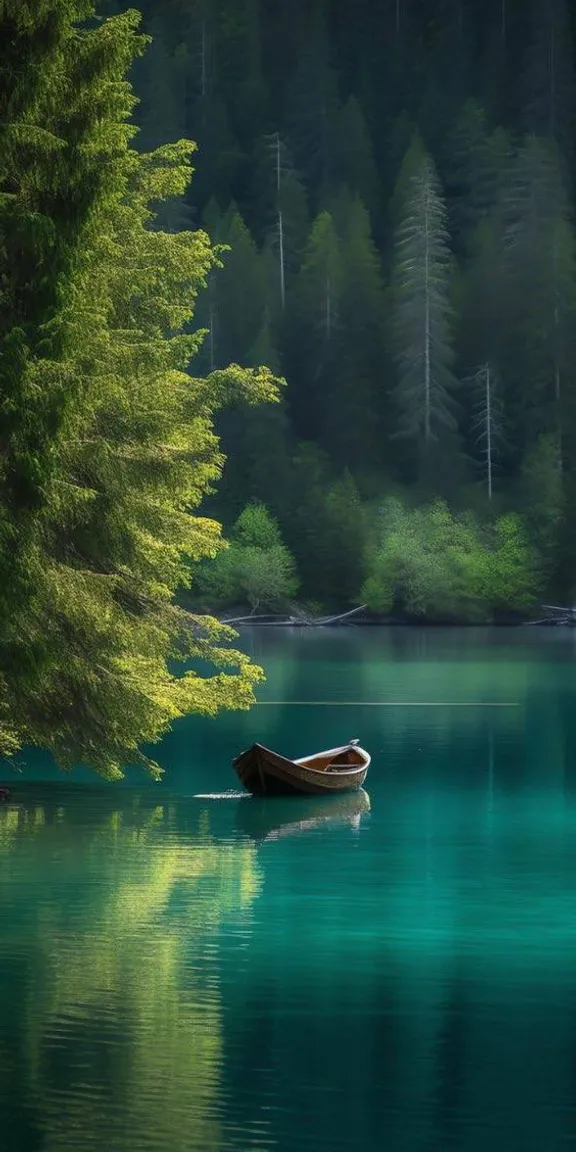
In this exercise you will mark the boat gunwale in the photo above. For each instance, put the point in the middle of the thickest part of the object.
(345, 770)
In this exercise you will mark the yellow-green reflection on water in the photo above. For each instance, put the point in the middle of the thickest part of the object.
(121, 1022)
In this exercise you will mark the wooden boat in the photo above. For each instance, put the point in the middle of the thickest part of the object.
(273, 818)
(266, 773)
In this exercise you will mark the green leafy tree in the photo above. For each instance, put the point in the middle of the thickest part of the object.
(422, 566)
(435, 565)
(508, 577)
(542, 501)
(109, 444)
(256, 566)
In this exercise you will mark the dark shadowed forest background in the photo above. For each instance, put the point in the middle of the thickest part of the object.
(395, 183)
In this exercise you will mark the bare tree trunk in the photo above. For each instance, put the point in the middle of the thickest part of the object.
(282, 263)
(552, 63)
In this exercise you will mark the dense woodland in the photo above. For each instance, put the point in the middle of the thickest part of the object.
(395, 182)
(359, 310)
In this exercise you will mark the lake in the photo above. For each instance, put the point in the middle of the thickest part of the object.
(187, 970)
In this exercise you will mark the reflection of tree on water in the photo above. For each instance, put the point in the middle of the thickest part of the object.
(120, 1005)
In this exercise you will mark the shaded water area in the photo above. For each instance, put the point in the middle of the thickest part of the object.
(183, 970)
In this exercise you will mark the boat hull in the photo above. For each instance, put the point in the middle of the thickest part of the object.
(266, 773)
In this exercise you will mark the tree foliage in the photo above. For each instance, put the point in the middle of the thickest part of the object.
(109, 444)
(430, 563)
(407, 174)
(256, 566)
(422, 310)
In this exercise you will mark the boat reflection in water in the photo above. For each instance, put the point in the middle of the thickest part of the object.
(264, 819)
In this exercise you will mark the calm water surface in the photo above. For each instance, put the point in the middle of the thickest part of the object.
(185, 971)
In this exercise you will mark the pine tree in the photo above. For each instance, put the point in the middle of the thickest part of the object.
(257, 442)
(354, 163)
(110, 446)
(312, 111)
(357, 406)
(313, 325)
(239, 290)
(239, 63)
(539, 274)
(282, 209)
(549, 79)
(320, 279)
(162, 79)
(448, 58)
(472, 167)
(422, 312)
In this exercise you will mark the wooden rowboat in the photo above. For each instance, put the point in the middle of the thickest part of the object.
(266, 773)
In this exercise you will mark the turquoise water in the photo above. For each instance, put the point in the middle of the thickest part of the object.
(186, 970)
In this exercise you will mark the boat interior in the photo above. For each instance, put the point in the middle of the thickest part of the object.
(334, 760)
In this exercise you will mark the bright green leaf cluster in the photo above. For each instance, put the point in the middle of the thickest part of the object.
(256, 566)
(431, 563)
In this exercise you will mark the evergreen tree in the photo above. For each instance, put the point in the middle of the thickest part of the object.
(342, 544)
(280, 208)
(354, 165)
(312, 111)
(549, 79)
(448, 52)
(239, 291)
(539, 272)
(474, 163)
(422, 312)
(162, 78)
(358, 401)
(257, 443)
(314, 314)
(239, 63)
(221, 158)
(110, 446)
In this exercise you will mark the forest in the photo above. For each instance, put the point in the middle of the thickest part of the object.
(287, 294)
(393, 187)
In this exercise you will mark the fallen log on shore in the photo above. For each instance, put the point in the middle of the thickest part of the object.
(301, 620)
